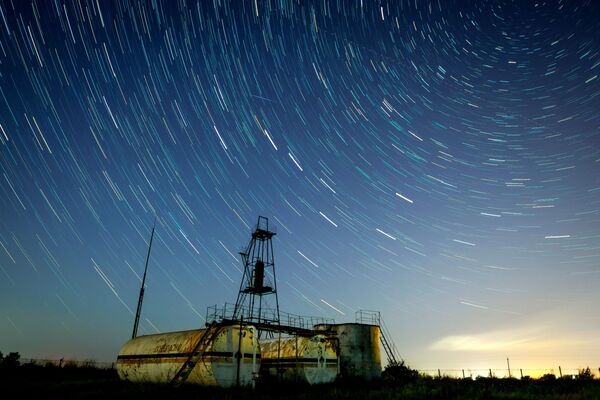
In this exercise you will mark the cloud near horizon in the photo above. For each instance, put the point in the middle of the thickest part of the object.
(493, 341)
(548, 331)
(528, 339)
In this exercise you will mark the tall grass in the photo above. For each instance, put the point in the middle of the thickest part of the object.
(27, 380)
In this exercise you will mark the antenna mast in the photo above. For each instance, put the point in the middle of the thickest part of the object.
(141, 299)
(258, 279)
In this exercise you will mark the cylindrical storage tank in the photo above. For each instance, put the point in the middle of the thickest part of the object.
(305, 359)
(158, 358)
(358, 349)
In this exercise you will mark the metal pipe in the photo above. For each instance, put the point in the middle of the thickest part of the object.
(239, 353)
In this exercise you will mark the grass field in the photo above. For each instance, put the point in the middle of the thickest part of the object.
(50, 382)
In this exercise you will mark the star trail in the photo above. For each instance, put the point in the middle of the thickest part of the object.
(438, 161)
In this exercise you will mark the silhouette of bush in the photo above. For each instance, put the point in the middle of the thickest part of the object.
(70, 364)
(548, 377)
(585, 374)
(11, 360)
(400, 373)
(88, 364)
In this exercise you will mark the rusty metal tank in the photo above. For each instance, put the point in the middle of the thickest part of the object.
(302, 359)
(358, 349)
(158, 358)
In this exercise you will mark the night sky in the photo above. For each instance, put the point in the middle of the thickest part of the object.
(437, 161)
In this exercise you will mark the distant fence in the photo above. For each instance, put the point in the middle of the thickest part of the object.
(63, 362)
(518, 373)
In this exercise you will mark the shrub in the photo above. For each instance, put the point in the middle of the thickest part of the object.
(88, 364)
(548, 377)
(70, 364)
(11, 360)
(400, 373)
(585, 374)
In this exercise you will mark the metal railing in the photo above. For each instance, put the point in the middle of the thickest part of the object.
(367, 317)
(370, 317)
(267, 315)
(263, 224)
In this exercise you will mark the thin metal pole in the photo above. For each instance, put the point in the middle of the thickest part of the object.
(275, 285)
(239, 353)
(254, 371)
(252, 264)
(259, 307)
(296, 375)
(508, 363)
(141, 298)
(239, 301)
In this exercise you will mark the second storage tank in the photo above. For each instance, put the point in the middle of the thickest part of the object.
(306, 359)
(358, 349)
(158, 358)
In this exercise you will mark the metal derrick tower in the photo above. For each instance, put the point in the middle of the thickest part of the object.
(258, 280)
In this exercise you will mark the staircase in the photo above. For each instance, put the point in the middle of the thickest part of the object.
(388, 345)
(196, 354)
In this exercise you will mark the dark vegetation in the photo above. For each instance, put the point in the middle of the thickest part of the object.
(68, 381)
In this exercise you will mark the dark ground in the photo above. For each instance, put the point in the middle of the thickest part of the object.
(30, 381)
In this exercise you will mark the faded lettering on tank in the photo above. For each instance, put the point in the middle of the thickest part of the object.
(167, 348)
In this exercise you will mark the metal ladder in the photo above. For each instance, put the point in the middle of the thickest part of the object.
(196, 354)
(388, 345)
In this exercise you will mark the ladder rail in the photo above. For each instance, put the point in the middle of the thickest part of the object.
(391, 350)
(388, 351)
(386, 340)
(196, 355)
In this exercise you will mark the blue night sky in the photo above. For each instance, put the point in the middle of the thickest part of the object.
(437, 161)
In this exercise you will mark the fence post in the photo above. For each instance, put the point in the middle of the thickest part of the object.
(464, 373)
(521, 369)
(439, 373)
(560, 371)
(490, 372)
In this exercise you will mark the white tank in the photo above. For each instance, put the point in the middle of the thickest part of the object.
(306, 359)
(158, 358)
